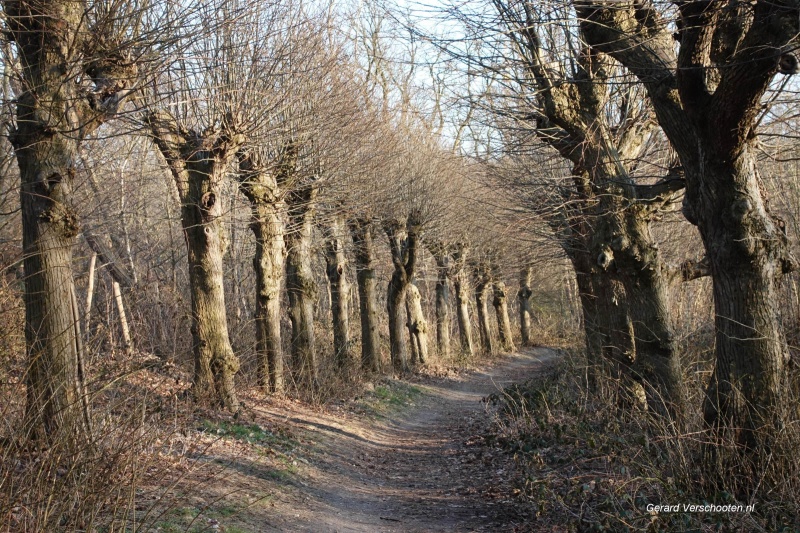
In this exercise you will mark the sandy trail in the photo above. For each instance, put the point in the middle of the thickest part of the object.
(421, 470)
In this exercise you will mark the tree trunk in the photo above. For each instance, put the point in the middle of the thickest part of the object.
(503, 323)
(46, 139)
(641, 270)
(462, 314)
(481, 301)
(361, 230)
(524, 301)
(198, 164)
(442, 307)
(215, 363)
(87, 315)
(57, 407)
(123, 319)
(300, 284)
(267, 224)
(340, 290)
(747, 252)
(606, 323)
(417, 326)
(403, 248)
(712, 124)
(395, 300)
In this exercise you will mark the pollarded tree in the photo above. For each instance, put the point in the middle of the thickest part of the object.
(500, 303)
(198, 161)
(301, 286)
(706, 93)
(78, 63)
(482, 273)
(404, 247)
(335, 270)
(575, 99)
(363, 232)
(460, 279)
(524, 305)
(443, 256)
(202, 116)
(260, 184)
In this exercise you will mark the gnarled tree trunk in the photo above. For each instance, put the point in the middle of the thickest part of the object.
(460, 286)
(300, 283)
(395, 299)
(336, 262)
(55, 46)
(711, 121)
(198, 164)
(643, 273)
(482, 285)
(462, 314)
(403, 247)
(362, 230)
(524, 302)
(417, 326)
(444, 265)
(267, 210)
(501, 311)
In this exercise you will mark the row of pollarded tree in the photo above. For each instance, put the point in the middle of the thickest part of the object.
(264, 94)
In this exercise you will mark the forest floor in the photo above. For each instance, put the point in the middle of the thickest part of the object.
(405, 456)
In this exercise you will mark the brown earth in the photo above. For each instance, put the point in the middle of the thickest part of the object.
(367, 466)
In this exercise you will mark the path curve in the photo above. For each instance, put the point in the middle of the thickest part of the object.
(424, 470)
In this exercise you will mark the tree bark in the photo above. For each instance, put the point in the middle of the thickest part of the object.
(198, 163)
(711, 122)
(395, 299)
(53, 116)
(87, 314)
(462, 314)
(501, 311)
(482, 286)
(607, 326)
(643, 273)
(362, 231)
(403, 248)
(748, 254)
(524, 301)
(442, 254)
(459, 277)
(123, 319)
(417, 326)
(443, 315)
(300, 284)
(336, 262)
(606, 214)
(267, 209)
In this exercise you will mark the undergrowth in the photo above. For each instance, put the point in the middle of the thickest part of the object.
(585, 464)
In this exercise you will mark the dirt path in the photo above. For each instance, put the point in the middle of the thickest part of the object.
(421, 470)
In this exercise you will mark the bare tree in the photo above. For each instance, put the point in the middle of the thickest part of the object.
(417, 326)
(199, 162)
(500, 303)
(336, 262)
(300, 283)
(363, 230)
(403, 244)
(706, 96)
(524, 304)
(483, 284)
(261, 187)
(78, 63)
(460, 281)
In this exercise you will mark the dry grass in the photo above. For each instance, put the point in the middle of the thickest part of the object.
(588, 465)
